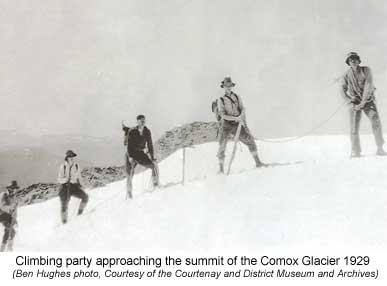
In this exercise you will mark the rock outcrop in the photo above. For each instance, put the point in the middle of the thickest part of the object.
(184, 136)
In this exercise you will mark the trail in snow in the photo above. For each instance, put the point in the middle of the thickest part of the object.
(314, 195)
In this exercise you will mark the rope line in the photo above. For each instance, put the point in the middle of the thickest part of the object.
(149, 182)
(308, 132)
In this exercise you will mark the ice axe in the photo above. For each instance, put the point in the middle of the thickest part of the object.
(236, 139)
(123, 124)
(126, 131)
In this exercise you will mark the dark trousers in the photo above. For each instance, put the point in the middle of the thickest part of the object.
(66, 191)
(9, 230)
(228, 128)
(141, 158)
(372, 113)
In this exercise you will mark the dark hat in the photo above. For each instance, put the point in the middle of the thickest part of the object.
(140, 117)
(13, 185)
(227, 82)
(352, 55)
(70, 154)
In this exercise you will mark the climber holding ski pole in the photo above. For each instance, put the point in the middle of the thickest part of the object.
(232, 118)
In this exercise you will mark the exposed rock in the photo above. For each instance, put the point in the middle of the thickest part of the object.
(184, 136)
(37, 193)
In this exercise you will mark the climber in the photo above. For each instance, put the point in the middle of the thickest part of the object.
(8, 213)
(231, 112)
(358, 90)
(139, 151)
(70, 180)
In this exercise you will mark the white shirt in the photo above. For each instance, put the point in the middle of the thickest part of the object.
(69, 173)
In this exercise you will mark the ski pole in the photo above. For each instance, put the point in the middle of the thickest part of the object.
(157, 172)
(236, 139)
(183, 171)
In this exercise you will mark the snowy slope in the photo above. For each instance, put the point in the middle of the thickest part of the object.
(314, 195)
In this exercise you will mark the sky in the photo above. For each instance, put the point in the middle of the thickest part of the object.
(69, 66)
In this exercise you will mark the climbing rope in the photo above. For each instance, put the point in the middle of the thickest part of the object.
(309, 132)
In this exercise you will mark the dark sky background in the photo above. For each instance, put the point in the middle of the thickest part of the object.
(70, 66)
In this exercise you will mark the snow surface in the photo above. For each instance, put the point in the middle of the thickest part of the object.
(314, 197)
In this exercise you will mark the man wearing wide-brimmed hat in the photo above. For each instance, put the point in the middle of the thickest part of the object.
(232, 112)
(358, 90)
(8, 213)
(70, 180)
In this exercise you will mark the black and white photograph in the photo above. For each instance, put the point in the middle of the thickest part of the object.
(194, 127)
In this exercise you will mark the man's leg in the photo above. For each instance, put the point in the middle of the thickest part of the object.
(5, 237)
(225, 130)
(248, 139)
(12, 234)
(5, 220)
(372, 113)
(155, 174)
(144, 160)
(129, 167)
(77, 192)
(64, 196)
(354, 117)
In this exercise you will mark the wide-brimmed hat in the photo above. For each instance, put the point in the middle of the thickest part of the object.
(352, 55)
(227, 82)
(13, 186)
(70, 154)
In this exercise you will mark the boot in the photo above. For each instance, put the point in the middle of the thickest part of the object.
(10, 245)
(381, 152)
(82, 207)
(129, 188)
(355, 155)
(156, 182)
(2, 247)
(129, 193)
(64, 217)
(221, 167)
(258, 162)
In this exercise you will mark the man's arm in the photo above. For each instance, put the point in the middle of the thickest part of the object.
(368, 89)
(344, 89)
(242, 108)
(149, 144)
(231, 118)
(368, 86)
(62, 178)
(222, 113)
(344, 93)
(6, 204)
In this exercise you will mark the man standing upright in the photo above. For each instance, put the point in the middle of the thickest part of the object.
(70, 180)
(358, 90)
(232, 112)
(8, 212)
(139, 151)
